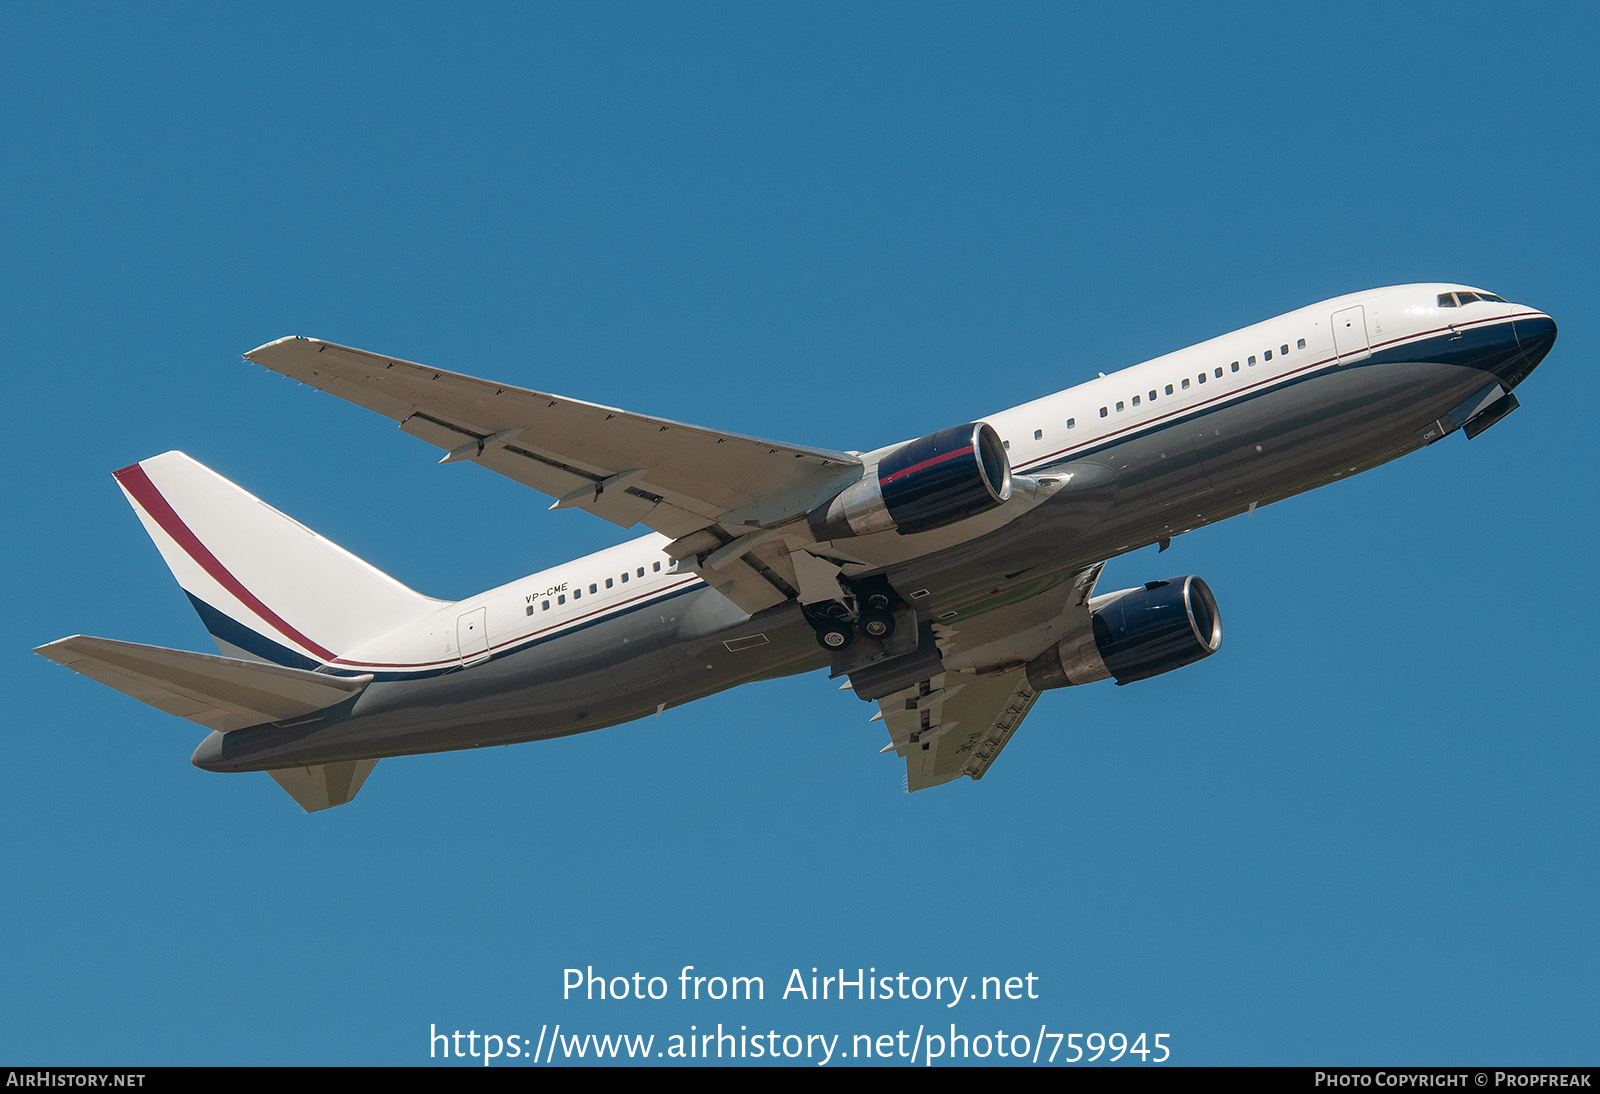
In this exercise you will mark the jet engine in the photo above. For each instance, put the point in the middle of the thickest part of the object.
(1135, 634)
(928, 483)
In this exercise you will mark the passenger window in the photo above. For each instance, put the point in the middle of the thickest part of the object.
(1006, 445)
(1102, 412)
(608, 583)
(1169, 389)
(545, 606)
(1284, 349)
(593, 588)
(562, 599)
(1186, 383)
(1201, 377)
(1071, 422)
(577, 594)
(1136, 400)
(1152, 396)
(1251, 360)
(1235, 366)
(1300, 344)
(624, 579)
(641, 571)
(1038, 434)
(1218, 373)
(1267, 356)
(1119, 406)
(656, 567)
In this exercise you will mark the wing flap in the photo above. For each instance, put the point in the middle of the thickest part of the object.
(220, 693)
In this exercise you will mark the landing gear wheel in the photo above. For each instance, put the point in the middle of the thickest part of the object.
(876, 623)
(835, 636)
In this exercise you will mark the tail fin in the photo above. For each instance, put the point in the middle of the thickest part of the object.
(266, 586)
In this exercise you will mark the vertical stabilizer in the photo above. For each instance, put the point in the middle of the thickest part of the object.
(266, 586)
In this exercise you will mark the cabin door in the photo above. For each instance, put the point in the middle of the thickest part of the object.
(472, 636)
(1350, 335)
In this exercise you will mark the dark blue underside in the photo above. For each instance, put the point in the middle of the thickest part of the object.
(225, 628)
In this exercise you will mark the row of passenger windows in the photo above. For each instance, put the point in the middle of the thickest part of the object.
(1457, 299)
(1137, 400)
(594, 587)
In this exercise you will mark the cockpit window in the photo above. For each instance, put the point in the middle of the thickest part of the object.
(1451, 300)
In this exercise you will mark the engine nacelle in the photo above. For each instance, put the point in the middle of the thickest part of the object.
(931, 482)
(1135, 634)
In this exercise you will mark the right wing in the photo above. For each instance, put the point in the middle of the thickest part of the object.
(703, 489)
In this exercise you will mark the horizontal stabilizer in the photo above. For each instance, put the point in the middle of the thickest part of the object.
(220, 693)
(323, 786)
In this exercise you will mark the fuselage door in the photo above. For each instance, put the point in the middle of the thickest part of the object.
(472, 636)
(1350, 335)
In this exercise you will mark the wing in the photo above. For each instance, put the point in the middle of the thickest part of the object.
(949, 723)
(703, 489)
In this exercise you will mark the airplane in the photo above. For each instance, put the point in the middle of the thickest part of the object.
(950, 579)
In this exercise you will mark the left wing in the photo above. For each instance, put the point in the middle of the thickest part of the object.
(949, 723)
(712, 493)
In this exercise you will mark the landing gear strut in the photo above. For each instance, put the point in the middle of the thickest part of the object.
(871, 608)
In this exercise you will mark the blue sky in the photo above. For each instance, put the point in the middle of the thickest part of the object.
(1363, 833)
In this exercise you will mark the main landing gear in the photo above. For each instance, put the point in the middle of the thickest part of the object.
(868, 608)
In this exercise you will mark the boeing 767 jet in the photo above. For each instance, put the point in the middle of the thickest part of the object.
(950, 578)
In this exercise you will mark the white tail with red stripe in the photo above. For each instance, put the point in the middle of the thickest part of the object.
(266, 586)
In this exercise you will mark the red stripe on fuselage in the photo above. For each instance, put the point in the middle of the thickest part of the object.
(137, 483)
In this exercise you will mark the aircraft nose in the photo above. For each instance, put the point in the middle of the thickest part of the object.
(1534, 338)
